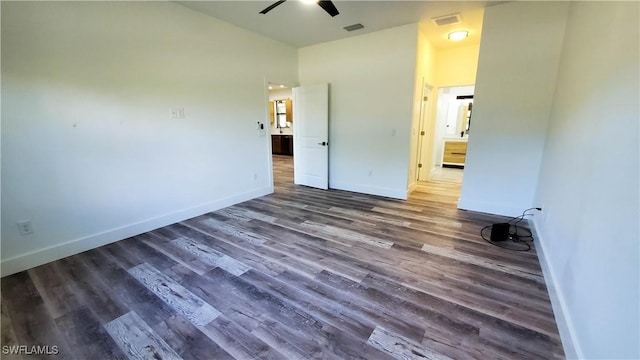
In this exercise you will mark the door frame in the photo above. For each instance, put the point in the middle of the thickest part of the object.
(426, 125)
(438, 126)
(267, 127)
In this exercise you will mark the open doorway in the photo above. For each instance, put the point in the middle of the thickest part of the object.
(451, 133)
(299, 123)
(281, 125)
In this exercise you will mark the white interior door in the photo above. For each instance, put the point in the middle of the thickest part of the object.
(311, 135)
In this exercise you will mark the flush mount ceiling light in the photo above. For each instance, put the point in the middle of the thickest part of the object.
(458, 35)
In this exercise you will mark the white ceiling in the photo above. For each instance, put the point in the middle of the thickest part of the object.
(299, 24)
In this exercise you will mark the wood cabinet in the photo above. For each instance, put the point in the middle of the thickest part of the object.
(282, 144)
(272, 111)
(455, 152)
(289, 107)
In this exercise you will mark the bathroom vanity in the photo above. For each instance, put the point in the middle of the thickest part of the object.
(455, 151)
(282, 144)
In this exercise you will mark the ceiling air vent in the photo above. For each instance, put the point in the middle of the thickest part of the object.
(447, 19)
(354, 27)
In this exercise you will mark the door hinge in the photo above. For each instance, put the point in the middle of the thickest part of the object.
(419, 166)
(426, 98)
(422, 133)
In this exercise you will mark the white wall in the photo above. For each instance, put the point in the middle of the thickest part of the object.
(518, 61)
(279, 94)
(588, 187)
(457, 66)
(372, 79)
(89, 152)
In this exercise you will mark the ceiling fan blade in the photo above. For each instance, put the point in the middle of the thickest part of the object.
(329, 7)
(270, 7)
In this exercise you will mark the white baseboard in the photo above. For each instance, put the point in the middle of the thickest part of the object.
(411, 188)
(488, 207)
(370, 190)
(570, 344)
(42, 256)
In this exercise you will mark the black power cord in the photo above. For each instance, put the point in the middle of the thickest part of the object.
(519, 237)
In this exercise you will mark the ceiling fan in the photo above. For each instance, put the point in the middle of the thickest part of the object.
(326, 5)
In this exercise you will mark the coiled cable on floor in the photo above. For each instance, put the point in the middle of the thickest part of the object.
(518, 239)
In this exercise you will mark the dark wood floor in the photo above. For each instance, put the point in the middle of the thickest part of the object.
(298, 274)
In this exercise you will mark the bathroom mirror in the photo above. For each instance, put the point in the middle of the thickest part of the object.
(463, 118)
(283, 113)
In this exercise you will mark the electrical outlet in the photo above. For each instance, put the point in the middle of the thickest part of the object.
(181, 112)
(25, 227)
(174, 113)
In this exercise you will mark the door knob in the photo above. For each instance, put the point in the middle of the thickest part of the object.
(324, 143)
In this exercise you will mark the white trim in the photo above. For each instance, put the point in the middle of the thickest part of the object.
(570, 343)
(433, 171)
(411, 188)
(56, 252)
(370, 190)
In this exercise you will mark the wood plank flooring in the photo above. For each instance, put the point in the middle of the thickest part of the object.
(299, 274)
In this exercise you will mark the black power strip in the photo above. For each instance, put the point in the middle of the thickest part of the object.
(508, 235)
